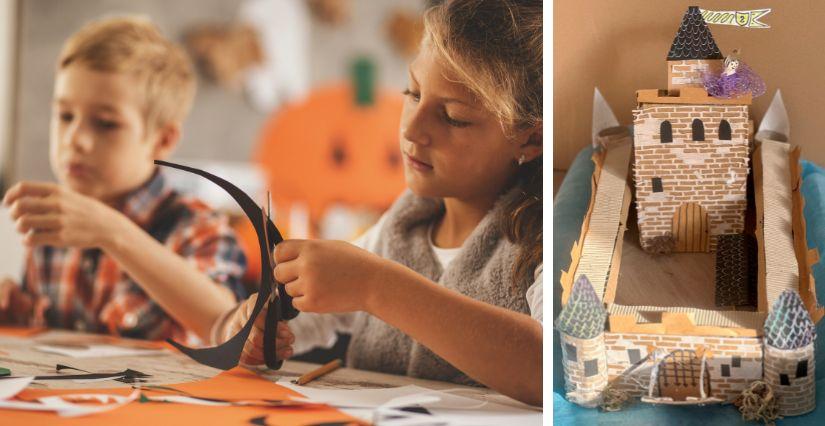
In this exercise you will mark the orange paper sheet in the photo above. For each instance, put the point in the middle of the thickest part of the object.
(237, 383)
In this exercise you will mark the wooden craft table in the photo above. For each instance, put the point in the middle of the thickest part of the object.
(170, 367)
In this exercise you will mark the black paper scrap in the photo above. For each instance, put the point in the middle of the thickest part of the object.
(258, 421)
(228, 354)
(261, 421)
(61, 367)
(379, 418)
(128, 374)
(416, 409)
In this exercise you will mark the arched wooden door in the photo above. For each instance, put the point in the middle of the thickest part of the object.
(680, 375)
(690, 227)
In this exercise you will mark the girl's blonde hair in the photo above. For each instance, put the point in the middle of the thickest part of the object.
(495, 47)
(134, 45)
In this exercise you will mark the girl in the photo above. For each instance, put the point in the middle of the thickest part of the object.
(448, 284)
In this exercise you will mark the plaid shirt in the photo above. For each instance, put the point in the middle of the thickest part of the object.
(88, 291)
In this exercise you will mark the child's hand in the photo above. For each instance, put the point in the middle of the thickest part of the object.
(19, 308)
(330, 276)
(253, 351)
(50, 214)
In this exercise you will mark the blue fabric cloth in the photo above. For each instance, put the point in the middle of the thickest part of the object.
(569, 208)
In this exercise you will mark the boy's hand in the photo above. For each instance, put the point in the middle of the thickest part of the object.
(50, 214)
(253, 351)
(19, 308)
(331, 276)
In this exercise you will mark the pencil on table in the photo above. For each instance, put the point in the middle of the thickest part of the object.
(318, 372)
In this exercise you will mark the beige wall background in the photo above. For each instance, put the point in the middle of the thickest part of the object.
(621, 46)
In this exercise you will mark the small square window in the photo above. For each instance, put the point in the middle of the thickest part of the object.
(634, 355)
(725, 370)
(736, 361)
(571, 352)
(657, 185)
(802, 368)
(591, 367)
(783, 380)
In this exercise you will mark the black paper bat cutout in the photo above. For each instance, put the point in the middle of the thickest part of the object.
(228, 354)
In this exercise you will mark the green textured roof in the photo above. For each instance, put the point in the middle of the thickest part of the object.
(789, 325)
(584, 315)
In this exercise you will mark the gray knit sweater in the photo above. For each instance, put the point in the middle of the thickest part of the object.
(483, 271)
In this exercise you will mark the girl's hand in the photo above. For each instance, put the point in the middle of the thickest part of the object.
(253, 351)
(50, 214)
(330, 276)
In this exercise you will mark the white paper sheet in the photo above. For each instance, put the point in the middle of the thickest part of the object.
(358, 398)
(446, 407)
(96, 351)
(603, 116)
(63, 405)
(283, 27)
(181, 399)
(12, 386)
(775, 121)
(65, 408)
(11, 245)
(98, 380)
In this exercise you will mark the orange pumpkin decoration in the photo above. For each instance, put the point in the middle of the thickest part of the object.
(339, 145)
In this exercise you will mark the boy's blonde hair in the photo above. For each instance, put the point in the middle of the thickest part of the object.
(134, 45)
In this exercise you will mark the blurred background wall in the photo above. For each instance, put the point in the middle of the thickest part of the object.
(296, 52)
(621, 46)
(222, 123)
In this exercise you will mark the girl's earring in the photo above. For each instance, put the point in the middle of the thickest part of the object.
(521, 159)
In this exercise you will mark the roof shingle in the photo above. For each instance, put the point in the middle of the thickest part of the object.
(693, 40)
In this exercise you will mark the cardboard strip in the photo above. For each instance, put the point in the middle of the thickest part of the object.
(781, 269)
(605, 220)
(805, 258)
(228, 354)
(575, 252)
(615, 264)
(721, 323)
(762, 296)
(687, 95)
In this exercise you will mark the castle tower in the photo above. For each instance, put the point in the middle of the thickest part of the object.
(789, 355)
(581, 329)
(692, 53)
(690, 152)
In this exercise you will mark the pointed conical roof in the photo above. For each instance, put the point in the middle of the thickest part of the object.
(584, 315)
(789, 325)
(693, 40)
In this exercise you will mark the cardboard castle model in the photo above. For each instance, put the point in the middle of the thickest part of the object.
(691, 161)
(690, 150)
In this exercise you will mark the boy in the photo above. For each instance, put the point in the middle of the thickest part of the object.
(112, 248)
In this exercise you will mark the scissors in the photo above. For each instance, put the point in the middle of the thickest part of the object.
(274, 312)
